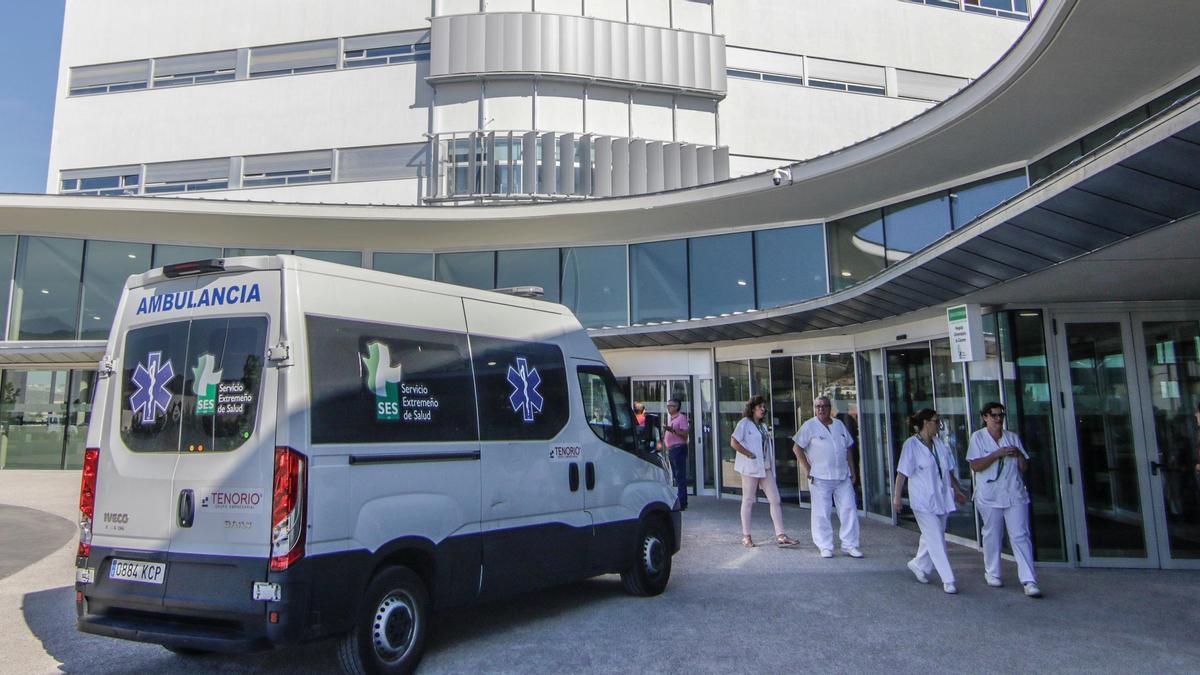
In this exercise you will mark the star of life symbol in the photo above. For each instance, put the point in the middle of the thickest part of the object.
(525, 397)
(151, 397)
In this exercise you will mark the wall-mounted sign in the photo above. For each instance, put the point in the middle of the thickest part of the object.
(966, 333)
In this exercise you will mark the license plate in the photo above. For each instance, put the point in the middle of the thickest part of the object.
(141, 572)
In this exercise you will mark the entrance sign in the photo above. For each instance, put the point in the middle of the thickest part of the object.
(966, 333)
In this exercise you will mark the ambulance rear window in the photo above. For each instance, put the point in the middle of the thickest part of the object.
(192, 386)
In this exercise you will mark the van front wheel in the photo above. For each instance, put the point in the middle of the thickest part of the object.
(649, 573)
(389, 632)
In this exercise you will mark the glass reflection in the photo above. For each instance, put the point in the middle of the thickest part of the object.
(856, 248)
(913, 225)
(532, 267)
(475, 269)
(168, 254)
(722, 274)
(658, 281)
(419, 265)
(733, 390)
(790, 265)
(46, 304)
(595, 285)
(950, 400)
(107, 265)
(969, 201)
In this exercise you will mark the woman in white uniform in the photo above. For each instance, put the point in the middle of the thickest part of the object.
(999, 461)
(928, 466)
(755, 461)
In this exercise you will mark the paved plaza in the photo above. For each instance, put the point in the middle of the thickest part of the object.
(728, 610)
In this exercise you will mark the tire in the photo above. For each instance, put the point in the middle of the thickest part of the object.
(389, 631)
(651, 569)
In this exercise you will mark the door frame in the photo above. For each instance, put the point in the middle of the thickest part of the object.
(1067, 431)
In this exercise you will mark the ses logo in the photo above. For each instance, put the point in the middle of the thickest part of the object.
(205, 378)
(152, 396)
(383, 379)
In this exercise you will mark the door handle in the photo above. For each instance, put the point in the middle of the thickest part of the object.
(589, 475)
(573, 477)
(187, 508)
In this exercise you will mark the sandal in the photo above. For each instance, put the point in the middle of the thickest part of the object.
(747, 541)
(785, 541)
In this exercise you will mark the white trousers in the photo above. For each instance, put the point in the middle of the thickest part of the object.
(1015, 519)
(825, 493)
(931, 552)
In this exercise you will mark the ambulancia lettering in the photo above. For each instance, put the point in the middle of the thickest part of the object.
(205, 297)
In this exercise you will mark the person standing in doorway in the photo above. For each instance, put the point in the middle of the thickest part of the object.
(999, 461)
(755, 448)
(823, 447)
(928, 467)
(675, 436)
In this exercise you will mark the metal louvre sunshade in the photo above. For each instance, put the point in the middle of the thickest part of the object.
(1086, 209)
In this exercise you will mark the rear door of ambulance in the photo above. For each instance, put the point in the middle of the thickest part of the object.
(186, 469)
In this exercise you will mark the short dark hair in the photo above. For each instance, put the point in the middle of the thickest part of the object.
(989, 407)
(674, 401)
(919, 418)
(753, 403)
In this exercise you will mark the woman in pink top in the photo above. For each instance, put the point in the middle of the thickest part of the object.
(675, 435)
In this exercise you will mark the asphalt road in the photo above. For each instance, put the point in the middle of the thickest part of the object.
(728, 609)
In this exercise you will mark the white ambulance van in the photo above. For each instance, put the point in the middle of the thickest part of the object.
(284, 449)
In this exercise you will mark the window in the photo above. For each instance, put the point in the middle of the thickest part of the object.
(927, 86)
(382, 162)
(476, 269)
(107, 182)
(418, 265)
(389, 48)
(166, 254)
(845, 76)
(106, 265)
(189, 176)
(46, 299)
(1013, 9)
(522, 389)
(783, 79)
(913, 225)
(292, 168)
(110, 77)
(658, 275)
(8, 255)
(381, 383)
(210, 371)
(745, 74)
(970, 201)
(722, 274)
(174, 71)
(595, 285)
(856, 248)
(532, 267)
(293, 59)
(609, 412)
(789, 264)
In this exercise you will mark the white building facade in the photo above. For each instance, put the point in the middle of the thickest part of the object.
(446, 101)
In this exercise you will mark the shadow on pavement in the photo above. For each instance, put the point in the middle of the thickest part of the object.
(28, 535)
(50, 616)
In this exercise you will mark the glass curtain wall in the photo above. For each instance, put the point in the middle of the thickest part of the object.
(910, 388)
(44, 417)
(733, 390)
(46, 299)
(784, 422)
(950, 400)
(595, 285)
(834, 376)
(107, 265)
(873, 444)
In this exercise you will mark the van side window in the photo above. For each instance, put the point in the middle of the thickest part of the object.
(522, 389)
(609, 413)
(382, 383)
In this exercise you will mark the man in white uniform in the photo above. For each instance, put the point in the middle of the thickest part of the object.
(999, 459)
(822, 447)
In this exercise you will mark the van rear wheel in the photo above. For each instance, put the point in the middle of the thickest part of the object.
(389, 632)
(650, 572)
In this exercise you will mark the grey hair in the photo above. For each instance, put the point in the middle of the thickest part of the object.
(823, 397)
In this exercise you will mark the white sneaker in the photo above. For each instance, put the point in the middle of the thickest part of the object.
(1032, 590)
(826, 553)
(992, 581)
(949, 588)
(853, 552)
(921, 577)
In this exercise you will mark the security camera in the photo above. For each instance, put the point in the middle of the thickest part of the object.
(782, 175)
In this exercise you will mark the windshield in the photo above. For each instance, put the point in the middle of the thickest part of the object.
(192, 386)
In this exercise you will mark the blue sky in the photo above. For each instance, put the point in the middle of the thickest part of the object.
(30, 36)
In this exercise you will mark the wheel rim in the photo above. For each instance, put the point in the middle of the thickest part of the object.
(395, 626)
(653, 554)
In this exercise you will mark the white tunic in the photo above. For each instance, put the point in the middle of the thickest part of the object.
(826, 448)
(929, 486)
(751, 437)
(998, 486)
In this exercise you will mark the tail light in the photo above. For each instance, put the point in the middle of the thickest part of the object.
(287, 508)
(87, 500)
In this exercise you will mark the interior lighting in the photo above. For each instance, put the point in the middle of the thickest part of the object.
(846, 273)
(1028, 314)
(95, 318)
(45, 291)
(741, 282)
(132, 256)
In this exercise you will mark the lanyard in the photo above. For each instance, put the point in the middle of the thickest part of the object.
(932, 448)
(999, 466)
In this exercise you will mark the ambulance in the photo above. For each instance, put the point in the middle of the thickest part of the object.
(284, 449)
